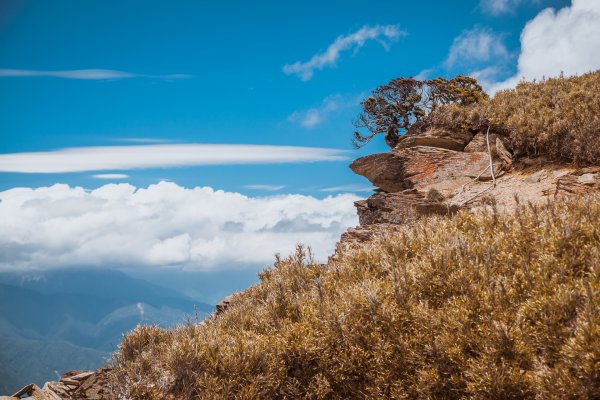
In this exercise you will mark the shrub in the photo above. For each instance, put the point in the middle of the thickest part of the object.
(480, 306)
(557, 118)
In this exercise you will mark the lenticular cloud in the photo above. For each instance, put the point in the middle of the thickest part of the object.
(164, 224)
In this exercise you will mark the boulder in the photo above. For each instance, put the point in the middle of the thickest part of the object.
(570, 184)
(587, 179)
(223, 305)
(478, 143)
(440, 138)
(497, 148)
(503, 154)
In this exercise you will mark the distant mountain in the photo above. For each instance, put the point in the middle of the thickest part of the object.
(72, 319)
(204, 286)
(23, 361)
(100, 283)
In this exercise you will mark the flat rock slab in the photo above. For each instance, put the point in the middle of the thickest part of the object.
(441, 138)
(424, 168)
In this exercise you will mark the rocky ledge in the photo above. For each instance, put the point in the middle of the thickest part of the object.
(75, 385)
(440, 172)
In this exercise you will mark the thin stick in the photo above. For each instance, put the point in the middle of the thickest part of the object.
(487, 139)
(476, 196)
(462, 188)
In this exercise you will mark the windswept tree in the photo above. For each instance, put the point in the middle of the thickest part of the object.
(404, 101)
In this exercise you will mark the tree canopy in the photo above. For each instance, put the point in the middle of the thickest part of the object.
(404, 101)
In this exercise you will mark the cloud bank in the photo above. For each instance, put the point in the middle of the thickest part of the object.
(567, 40)
(81, 159)
(353, 41)
(88, 74)
(118, 225)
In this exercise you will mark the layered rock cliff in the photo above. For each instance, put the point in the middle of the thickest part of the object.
(442, 171)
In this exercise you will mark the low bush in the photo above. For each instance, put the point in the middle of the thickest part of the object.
(479, 306)
(557, 118)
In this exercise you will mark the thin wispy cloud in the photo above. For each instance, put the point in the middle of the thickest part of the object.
(268, 188)
(500, 7)
(113, 158)
(111, 176)
(348, 188)
(352, 42)
(314, 116)
(86, 74)
(475, 46)
(145, 140)
(424, 74)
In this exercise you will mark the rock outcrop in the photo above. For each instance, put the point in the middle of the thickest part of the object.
(74, 385)
(440, 172)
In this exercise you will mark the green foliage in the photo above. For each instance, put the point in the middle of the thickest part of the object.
(405, 101)
(480, 306)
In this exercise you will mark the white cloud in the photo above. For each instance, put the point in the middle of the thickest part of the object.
(89, 74)
(268, 188)
(314, 116)
(498, 7)
(164, 224)
(567, 40)
(165, 155)
(475, 46)
(353, 41)
(424, 74)
(111, 176)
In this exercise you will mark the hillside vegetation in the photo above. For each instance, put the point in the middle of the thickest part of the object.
(557, 118)
(479, 306)
(483, 305)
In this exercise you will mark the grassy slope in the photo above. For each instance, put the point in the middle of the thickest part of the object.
(483, 306)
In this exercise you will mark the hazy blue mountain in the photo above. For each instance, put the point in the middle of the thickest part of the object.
(54, 321)
(101, 283)
(205, 286)
(24, 361)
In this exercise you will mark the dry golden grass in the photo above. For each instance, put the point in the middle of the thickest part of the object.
(480, 306)
(556, 118)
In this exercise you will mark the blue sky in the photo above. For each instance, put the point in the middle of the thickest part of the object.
(232, 55)
(107, 79)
